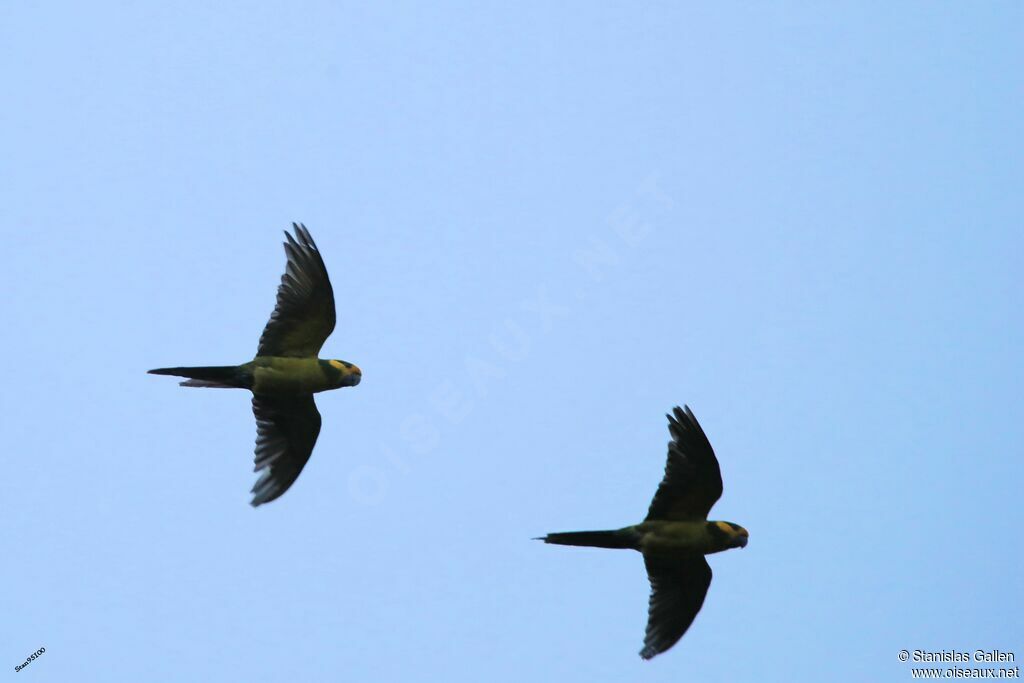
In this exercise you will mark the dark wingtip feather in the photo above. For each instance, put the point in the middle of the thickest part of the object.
(682, 417)
(303, 233)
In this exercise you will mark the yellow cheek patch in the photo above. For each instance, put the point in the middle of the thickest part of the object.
(725, 528)
(337, 365)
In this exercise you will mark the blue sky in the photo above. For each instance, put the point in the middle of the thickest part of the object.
(546, 225)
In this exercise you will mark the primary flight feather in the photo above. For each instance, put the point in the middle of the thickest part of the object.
(286, 371)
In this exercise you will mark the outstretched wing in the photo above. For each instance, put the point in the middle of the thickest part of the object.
(304, 316)
(693, 481)
(678, 587)
(286, 431)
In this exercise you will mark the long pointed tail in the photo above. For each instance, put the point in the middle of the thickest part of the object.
(217, 376)
(619, 538)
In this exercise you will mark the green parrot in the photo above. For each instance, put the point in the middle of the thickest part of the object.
(676, 535)
(286, 371)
